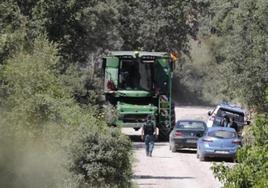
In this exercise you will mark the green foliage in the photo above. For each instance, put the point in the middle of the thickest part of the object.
(41, 122)
(241, 51)
(235, 34)
(102, 159)
(84, 84)
(13, 30)
(30, 83)
(109, 114)
(83, 28)
(157, 25)
(41, 82)
(252, 169)
(230, 61)
(80, 27)
(32, 99)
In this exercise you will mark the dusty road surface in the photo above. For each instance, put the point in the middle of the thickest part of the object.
(172, 170)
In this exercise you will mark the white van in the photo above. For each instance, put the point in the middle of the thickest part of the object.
(226, 110)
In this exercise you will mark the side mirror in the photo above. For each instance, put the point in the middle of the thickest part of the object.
(248, 122)
(209, 113)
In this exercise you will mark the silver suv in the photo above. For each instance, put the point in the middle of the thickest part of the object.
(227, 110)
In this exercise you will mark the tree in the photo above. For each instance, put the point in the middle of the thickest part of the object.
(157, 25)
(242, 50)
(13, 30)
(80, 27)
(243, 59)
(42, 124)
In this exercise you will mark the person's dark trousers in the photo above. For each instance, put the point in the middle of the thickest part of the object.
(149, 144)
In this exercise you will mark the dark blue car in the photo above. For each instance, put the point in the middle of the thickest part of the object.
(220, 142)
(185, 134)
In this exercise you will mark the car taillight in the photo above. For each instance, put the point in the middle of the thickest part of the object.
(236, 141)
(178, 133)
(110, 85)
(207, 140)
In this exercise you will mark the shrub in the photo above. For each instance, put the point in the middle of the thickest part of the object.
(45, 134)
(252, 169)
(103, 160)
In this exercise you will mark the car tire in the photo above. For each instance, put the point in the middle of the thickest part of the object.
(202, 158)
(170, 143)
(173, 148)
(233, 160)
(197, 153)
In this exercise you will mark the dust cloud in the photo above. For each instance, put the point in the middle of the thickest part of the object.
(27, 162)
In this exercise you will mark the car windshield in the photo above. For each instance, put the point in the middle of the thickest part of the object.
(191, 125)
(238, 116)
(222, 134)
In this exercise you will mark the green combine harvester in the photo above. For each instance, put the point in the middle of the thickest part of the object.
(139, 84)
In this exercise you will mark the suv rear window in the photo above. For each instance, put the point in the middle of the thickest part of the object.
(222, 134)
(239, 117)
(191, 125)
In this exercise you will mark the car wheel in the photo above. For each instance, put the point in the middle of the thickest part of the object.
(202, 158)
(197, 153)
(173, 148)
(233, 160)
(170, 143)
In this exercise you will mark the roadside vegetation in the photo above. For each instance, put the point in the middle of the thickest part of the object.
(235, 32)
(53, 127)
(47, 139)
(252, 167)
(229, 58)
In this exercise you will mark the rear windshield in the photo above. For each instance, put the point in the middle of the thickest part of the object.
(191, 125)
(222, 134)
(239, 117)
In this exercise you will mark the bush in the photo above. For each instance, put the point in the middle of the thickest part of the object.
(103, 160)
(252, 169)
(45, 134)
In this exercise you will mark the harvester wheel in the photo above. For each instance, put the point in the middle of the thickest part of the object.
(163, 133)
(163, 130)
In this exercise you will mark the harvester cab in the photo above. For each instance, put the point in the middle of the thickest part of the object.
(139, 84)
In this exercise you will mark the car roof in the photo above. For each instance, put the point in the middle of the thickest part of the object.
(232, 108)
(221, 128)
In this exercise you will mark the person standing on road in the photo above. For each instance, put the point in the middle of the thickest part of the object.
(233, 124)
(149, 133)
(225, 121)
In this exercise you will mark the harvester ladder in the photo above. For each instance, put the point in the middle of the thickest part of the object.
(164, 109)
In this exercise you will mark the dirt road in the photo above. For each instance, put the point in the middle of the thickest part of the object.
(167, 169)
